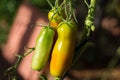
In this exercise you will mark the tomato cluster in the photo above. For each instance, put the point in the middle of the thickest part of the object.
(57, 39)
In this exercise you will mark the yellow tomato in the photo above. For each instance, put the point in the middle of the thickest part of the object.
(63, 50)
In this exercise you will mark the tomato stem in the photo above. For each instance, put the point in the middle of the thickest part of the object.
(86, 3)
(50, 3)
(28, 52)
(39, 24)
(58, 78)
(62, 4)
(89, 24)
(65, 7)
(70, 11)
(42, 77)
(56, 3)
(11, 71)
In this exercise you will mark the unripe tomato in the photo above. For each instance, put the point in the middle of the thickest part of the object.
(55, 17)
(43, 48)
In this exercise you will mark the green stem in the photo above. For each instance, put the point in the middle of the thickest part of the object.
(39, 24)
(58, 78)
(91, 10)
(78, 52)
(89, 25)
(61, 5)
(11, 71)
(28, 52)
(70, 11)
(50, 3)
(74, 17)
(56, 3)
(65, 6)
(86, 3)
(42, 77)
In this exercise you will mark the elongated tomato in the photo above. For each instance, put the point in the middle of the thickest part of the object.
(63, 50)
(43, 48)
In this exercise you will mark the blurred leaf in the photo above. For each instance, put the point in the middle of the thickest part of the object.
(3, 35)
(8, 10)
(118, 50)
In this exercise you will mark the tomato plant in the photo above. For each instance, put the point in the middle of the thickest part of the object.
(61, 24)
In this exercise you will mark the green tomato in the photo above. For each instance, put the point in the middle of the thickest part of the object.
(43, 48)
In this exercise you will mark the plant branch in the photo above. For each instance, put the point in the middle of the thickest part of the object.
(11, 71)
(89, 25)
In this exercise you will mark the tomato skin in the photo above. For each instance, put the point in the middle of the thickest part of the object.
(43, 48)
(55, 17)
(63, 50)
